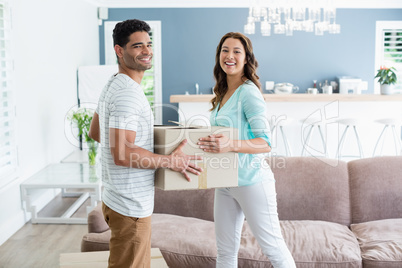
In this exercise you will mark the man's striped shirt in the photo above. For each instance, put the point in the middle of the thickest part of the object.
(123, 105)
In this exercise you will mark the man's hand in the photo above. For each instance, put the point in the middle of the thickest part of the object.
(180, 162)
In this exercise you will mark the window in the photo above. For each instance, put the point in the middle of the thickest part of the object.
(389, 49)
(152, 81)
(8, 151)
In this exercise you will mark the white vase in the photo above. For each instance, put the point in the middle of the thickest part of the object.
(387, 89)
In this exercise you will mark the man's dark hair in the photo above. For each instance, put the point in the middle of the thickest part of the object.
(123, 30)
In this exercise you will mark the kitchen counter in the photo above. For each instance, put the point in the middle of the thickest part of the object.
(297, 97)
(194, 110)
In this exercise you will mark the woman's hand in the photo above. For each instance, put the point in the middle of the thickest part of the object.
(218, 143)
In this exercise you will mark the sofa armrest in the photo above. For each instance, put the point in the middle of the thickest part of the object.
(95, 241)
(96, 221)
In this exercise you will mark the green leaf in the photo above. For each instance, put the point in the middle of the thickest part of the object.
(82, 119)
(386, 76)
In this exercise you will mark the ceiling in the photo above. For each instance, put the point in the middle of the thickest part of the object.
(235, 3)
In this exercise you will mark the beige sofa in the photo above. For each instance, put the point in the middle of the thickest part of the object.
(333, 214)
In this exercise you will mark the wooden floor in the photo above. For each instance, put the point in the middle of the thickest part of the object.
(40, 245)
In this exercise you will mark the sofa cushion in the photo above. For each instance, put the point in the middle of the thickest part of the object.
(380, 242)
(312, 244)
(375, 188)
(184, 241)
(190, 242)
(311, 188)
(187, 203)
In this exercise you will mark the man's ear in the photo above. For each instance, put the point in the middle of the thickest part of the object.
(119, 51)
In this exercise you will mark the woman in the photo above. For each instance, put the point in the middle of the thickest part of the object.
(240, 104)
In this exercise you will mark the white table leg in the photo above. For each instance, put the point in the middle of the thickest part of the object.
(75, 206)
(28, 205)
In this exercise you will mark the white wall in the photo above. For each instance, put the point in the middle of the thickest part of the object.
(50, 40)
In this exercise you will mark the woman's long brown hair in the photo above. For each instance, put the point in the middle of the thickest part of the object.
(250, 68)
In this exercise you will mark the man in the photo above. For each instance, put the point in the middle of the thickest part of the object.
(123, 124)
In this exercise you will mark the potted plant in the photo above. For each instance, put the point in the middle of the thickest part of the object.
(387, 79)
(82, 119)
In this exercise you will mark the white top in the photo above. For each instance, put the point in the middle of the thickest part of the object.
(123, 105)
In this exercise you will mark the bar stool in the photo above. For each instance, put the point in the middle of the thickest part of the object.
(390, 124)
(280, 123)
(312, 124)
(349, 123)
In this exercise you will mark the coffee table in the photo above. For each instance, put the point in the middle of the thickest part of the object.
(99, 259)
(64, 176)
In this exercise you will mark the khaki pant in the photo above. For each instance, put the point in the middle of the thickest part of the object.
(130, 242)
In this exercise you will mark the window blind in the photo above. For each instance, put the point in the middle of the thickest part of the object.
(8, 151)
(392, 53)
(388, 50)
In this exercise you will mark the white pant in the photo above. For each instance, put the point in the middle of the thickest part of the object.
(258, 202)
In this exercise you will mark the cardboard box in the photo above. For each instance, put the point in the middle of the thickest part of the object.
(219, 169)
(99, 259)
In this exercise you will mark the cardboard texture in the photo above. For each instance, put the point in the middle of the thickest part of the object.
(219, 169)
(99, 259)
